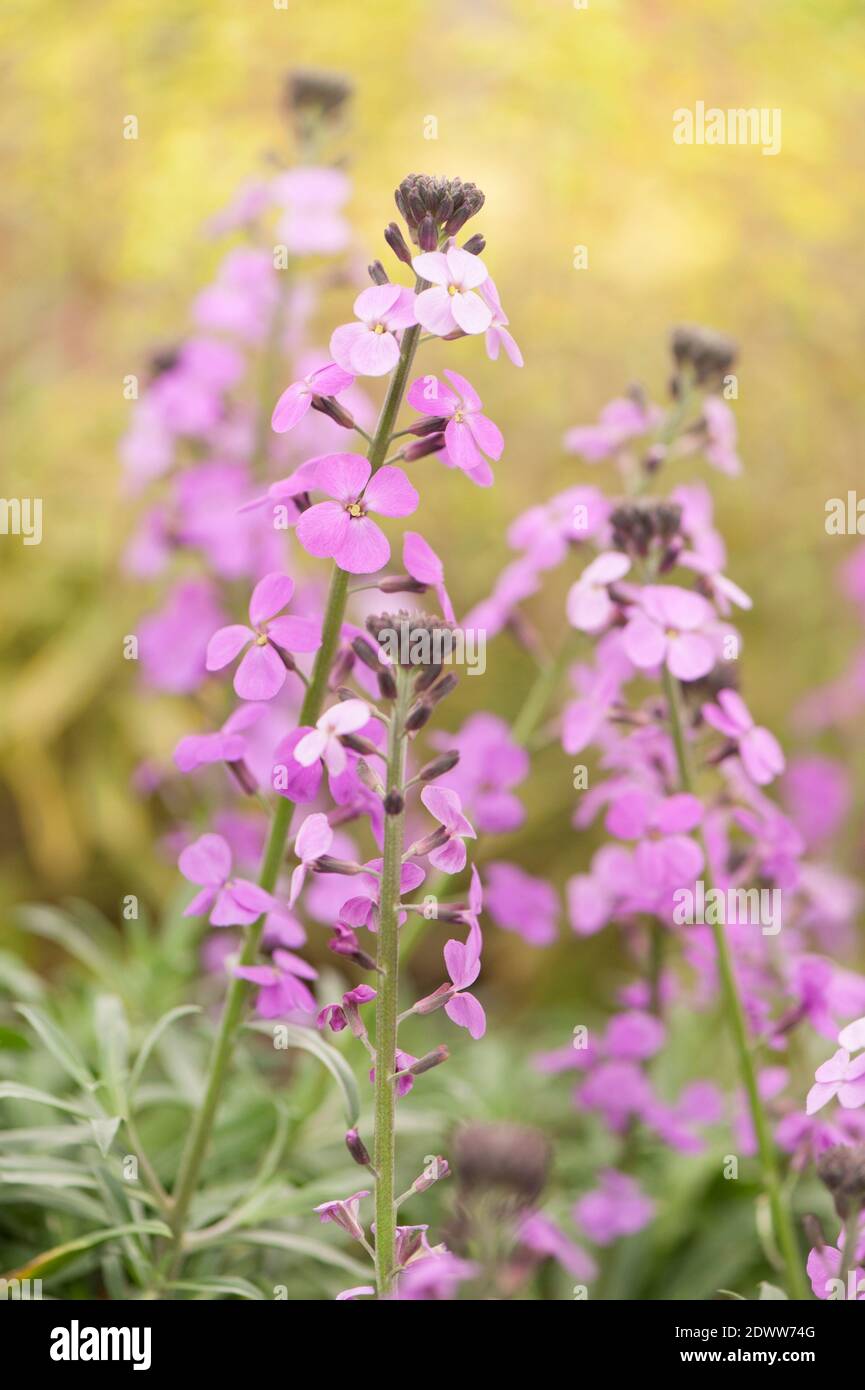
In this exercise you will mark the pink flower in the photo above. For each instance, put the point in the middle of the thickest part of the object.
(296, 399)
(720, 446)
(490, 764)
(341, 530)
(451, 306)
(281, 985)
(620, 421)
(361, 909)
(853, 1036)
(340, 1016)
(463, 962)
(446, 806)
(226, 745)
(841, 1076)
(262, 672)
(313, 839)
(664, 627)
(542, 1236)
(617, 1208)
(759, 750)
(469, 435)
(824, 1268)
(497, 334)
(173, 642)
(323, 741)
(666, 856)
(518, 902)
(344, 1213)
(229, 902)
(422, 563)
(371, 347)
(589, 606)
(313, 223)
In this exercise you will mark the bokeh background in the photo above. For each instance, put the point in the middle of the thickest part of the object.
(564, 117)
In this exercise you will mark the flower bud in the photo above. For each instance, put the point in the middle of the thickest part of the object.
(326, 864)
(366, 653)
(442, 688)
(378, 274)
(369, 777)
(445, 762)
(429, 1060)
(417, 717)
(427, 234)
(387, 685)
(243, 776)
(358, 744)
(431, 424)
(397, 243)
(511, 1161)
(433, 444)
(394, 803)
(434, 1001)
(402, 584)
(330, 406)
(710, 355)
(842, 1170)
(357, 1148)
(435, 1171)
(475, 244)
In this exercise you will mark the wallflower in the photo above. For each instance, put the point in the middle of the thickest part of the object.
(281, 985)
(422, 563)
(759, 750)
(665, 626)
(227, 901)
(469, 434)
(313, 223)
(617, 1208)
(361, 909)
(463, 964)
(497, 335)
(518, 902)
(296, 399)
(225, 745)
(490, 765)
(589, 606)
(172, 644)
(344, 1213)
(341, 529)
(620, 421)
(371, 347)
(841, 1076)
(313, 839)
(324, 740)
(451, 305)
(262, 672)
(445, 806)
(720, 445)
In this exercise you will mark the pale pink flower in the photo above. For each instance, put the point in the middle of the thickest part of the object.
(313, 839)
(324, 740)
(760, 751)
(341, 529)
(422, 563)
(469, 434)
(841, 1076)
(589, 606)
(446, 806)
(262, 672)
(227, 901)
(451, 305)
(371, 347)
(665, 626)
(620, 421)
(497, 335)
(296, 399)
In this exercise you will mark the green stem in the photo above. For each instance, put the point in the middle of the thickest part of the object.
(316, 691)
(782, 1224)
(540, 694)
(387, 960)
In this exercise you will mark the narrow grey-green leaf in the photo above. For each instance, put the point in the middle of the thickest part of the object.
(62, 1048)
(153, 1038)
(113, 1036)
(309, 1041)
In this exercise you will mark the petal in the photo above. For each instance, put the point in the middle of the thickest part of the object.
(295, 634)
(225, 644)
(270, 595)
(432, 266)
(643, 641)
(470, 312)
(372, 305)
(487, 435)
(450, 857)
(430, 396)
(291, 407)
(441, 802)
(348, 716)
(330, 380)
(343, 476)
(461, 448)
(401, 313)
(465, 389)
(342, 340)
(433, 311)
(364, 548)
(310, 748)
(322, 529)
(260, 675)
(853, 1036)
(390, 493)
(467, 1012)
(690, 656)
(251, 897)
(374, 354)
(606, 568)
(207, 860)
(466, 270)
(314, 837)
(588, 608)
(420, 560)
(819, 1095)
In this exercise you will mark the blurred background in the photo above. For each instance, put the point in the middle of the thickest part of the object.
(563, 115)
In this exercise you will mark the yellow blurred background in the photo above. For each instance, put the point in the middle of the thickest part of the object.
(563, 115)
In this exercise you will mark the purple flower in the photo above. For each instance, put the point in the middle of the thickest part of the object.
(371, 347)
(759, 750)
(463, 962)
(620, 421)
(470, 438)
(262, 672)
(490, 764)
(228, 902)
(665, 626)
(543, 1237)
(313, 839)
(173, 642)
(433, 1278)
(422, 563)
(324, 740)
(361, 909)
(841, 1076)
(226, 745)
(589, 606)
(634, 1036)
(296, 399)
(341, 529)
(666, 856)
(616, 1208)
(344, 1213)
(340, 1016)
(281, 985)
(451, 305)
(312, 224)
(520, 903)
(497, 335)
(720, 444)
(446, 807)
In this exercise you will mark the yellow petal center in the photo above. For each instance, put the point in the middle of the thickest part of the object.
(355, 509)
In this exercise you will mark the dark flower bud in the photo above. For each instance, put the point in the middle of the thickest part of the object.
(369, 777)
(445, 762)
(417, 717)
(387, 685)
(326, 864)
(322, 93)
(357, 1148)
(432, 424)
(427, 678)
(443, 205)
(433, 444)
(402, 584)
(329, 405)
(427, 234)
(342, 668)
(710, 355)
(165, 360)
(397, 243)
(366, 653)
(358, 744)
(378, 274)
(394, 803)
(842, 1170)
(429, 1060)
(510, 1160)
(442, 688)
(475, 244)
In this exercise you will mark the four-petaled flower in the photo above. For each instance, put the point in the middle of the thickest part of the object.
(422, 563)
(228, 902)
(344, 1213)
(589, 606)
(370, 347)
(281, 984)
(262, 672)
(841, 1076)
(313, 839)
(341, 529)
(463, 962)
(296, 399)
(446, 806)
(759, 749)
(664, 626)
(225, 745)
(451, 305)
(323, 741)
(469, 434)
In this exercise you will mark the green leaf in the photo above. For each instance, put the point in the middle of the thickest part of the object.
(308, 1041)
(104, 1131)
(771, 1292)
(153, 1038)
(13, 1090)
(59, 1254)
(112, 1032)
(18, 981)
(10, 1041)
(230, 1287)
(307, 1246)
(59, 1045)
(60, 928)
